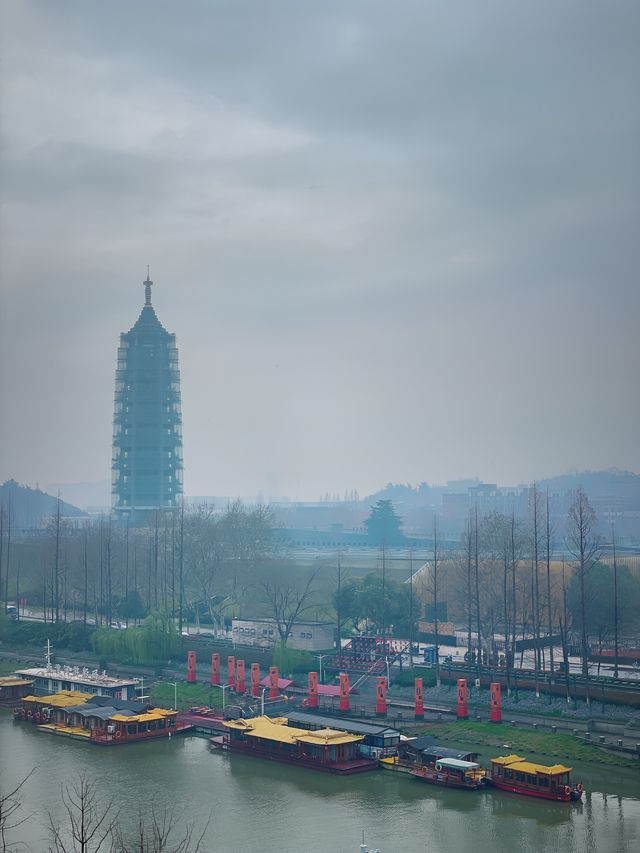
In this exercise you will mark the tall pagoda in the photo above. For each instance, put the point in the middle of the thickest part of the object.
(146, 463)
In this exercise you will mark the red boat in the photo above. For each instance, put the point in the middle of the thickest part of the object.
(516, 774)
(451, 773)
(271, 738)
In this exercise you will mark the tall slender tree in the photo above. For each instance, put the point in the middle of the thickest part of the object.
(584, 545)
(615, 603)
(476, 558)
(436, 602)
(548, 534)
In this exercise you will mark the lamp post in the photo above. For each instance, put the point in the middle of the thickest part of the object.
(223, 687)
(174, 684)
(320, 659)
(264, 690)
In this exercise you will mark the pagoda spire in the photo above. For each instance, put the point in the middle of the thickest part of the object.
(147, 288)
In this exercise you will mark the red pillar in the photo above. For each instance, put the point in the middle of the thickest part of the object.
(313, 689)
(419, 693)
(241, 685)
(231, 672)
(496, 703)
(215, 669)
(255, 679)
(274, 692)
(344, 691)
(191, 667)
(381, 696)
(463, 711)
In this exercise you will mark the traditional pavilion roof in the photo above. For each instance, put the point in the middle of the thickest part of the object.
(148, 319)
(276, 729)
(63, 699)
(156, 714)
(542, 769)
(505, 760)
(12, 681)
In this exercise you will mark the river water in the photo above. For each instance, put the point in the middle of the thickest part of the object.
(255, 806)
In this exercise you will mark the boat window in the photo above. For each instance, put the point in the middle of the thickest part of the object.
(131, 730)
(519, 776)
(532, 780)
(543, 781)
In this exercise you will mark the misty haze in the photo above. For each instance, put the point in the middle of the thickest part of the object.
(319, 425)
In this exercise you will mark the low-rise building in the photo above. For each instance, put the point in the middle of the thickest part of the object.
(53, 679)
(306, 636)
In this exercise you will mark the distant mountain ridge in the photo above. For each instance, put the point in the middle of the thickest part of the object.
(31, 507)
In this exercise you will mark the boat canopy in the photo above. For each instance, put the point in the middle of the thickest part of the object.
(456, 764)
(63, 699)
(542, 769)
(276, 729)
(438, 752)
(521, 765)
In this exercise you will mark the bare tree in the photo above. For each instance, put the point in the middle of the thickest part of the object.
(476, 563)
(584, 545)
(434, 589)
(10, 815)
(535, 544)
(89, 826)
(548, 537)
(615, 604)
(157, 834)
(287, 602)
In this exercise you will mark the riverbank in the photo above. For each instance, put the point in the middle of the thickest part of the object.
(512, 739)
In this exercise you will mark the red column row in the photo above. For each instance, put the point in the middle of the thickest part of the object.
(236, 679)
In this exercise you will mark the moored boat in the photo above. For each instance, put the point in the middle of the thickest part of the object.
(550, 782)
(99, 719)
(452, 773)
(415, 753)
(271, 738)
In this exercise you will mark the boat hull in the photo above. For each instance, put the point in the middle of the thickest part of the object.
(447, 780)
(346, 768)
(556, 796)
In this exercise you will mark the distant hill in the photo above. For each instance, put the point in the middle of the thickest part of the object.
(30, 508)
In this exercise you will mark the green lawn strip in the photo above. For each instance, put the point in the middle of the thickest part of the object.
(509, 739)
(189, 695)
(8, 667)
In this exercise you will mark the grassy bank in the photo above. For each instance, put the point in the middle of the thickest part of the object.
(504, 739)
(188, 695)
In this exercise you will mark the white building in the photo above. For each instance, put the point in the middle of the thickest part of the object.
(54, 678)
(306, 636)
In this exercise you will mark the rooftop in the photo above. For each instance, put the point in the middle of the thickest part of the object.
(12, 681)
(276, 729)
(63, 699)
(92, 678)
(341, 724)
(521, 765)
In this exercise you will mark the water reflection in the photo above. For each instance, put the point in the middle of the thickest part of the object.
(261, 805)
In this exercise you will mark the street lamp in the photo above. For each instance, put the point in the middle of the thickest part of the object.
(223, 687)
(320, 658)
(264, 690)
(174, 684)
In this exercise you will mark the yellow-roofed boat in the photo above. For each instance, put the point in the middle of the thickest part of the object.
(321, 749)
(550, 782)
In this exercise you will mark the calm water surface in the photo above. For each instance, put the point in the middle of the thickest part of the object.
(259, 807)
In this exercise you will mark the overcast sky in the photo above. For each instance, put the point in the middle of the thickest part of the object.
(395, 240)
